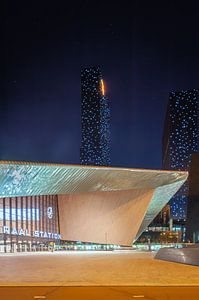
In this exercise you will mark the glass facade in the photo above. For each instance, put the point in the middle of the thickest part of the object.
(95, 119)
(180, 141)
(28, 223)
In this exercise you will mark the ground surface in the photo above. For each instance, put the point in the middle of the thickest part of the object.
(99, 293)
(94, 269)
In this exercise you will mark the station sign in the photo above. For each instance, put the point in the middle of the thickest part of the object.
(26, 232)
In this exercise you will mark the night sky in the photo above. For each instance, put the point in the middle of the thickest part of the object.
(145, 49)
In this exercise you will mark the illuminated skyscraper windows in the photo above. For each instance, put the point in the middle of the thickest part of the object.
(95, 119)
(180, 140)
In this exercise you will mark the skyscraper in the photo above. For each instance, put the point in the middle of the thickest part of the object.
(192, 224)
(180, 140)
(95, 119)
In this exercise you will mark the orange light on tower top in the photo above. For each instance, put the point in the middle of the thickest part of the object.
(102, 87)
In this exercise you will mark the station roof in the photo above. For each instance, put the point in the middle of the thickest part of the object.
(29, 178)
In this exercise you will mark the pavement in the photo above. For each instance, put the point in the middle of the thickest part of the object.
(99, 293)
(94, 269)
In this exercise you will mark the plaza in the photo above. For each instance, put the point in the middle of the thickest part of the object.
(95, 275)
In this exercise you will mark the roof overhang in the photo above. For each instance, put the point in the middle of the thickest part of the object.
(26, 179)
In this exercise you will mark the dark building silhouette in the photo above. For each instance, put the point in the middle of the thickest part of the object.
(95, 119)
(163, 218)
(180, 140)
(192, 225)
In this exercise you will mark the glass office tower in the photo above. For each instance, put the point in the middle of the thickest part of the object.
(95, 119)
(180, 140)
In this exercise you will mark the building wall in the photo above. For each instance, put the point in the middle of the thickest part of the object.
(103, 217)
(193, 200)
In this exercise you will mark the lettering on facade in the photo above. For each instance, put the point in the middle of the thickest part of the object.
(36, 233)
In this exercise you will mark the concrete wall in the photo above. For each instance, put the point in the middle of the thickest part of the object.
(103, 217)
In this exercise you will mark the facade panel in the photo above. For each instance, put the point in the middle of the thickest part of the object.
(28, 223)
(103, 217)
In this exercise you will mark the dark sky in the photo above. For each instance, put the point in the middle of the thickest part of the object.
(145, 48)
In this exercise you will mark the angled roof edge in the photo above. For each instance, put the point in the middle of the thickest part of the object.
(44, 164)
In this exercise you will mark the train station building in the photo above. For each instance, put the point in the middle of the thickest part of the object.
(44, 204)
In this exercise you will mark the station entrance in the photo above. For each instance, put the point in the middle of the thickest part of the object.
(28, 223)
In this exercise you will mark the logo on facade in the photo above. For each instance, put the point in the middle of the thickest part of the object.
(50, 212)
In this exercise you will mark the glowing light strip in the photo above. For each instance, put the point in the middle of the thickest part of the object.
(102, 86)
